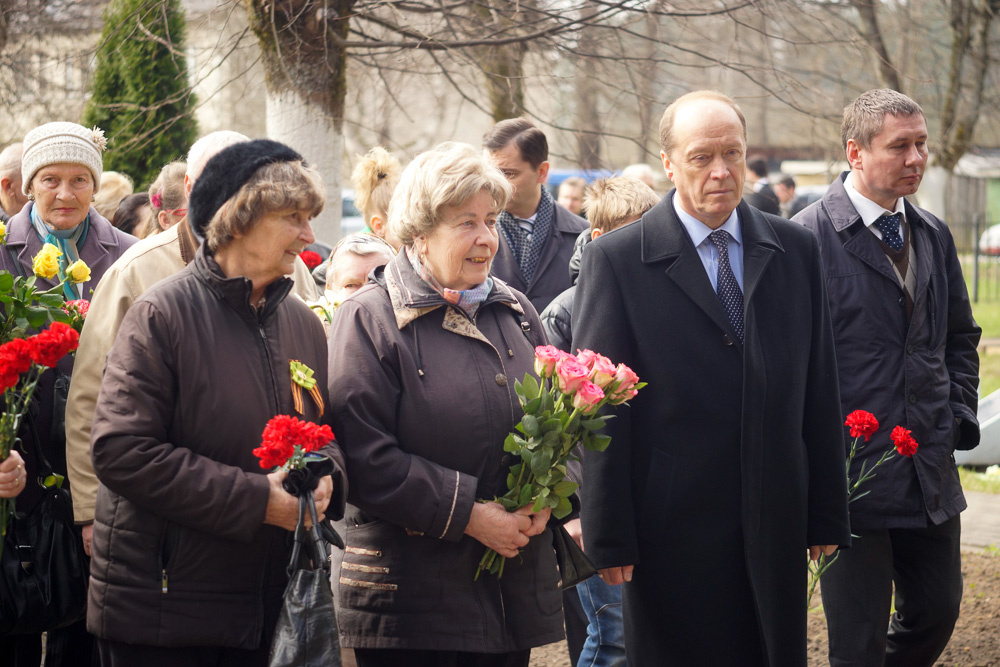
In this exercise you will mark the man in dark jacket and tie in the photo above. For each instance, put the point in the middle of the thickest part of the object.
(727, 469)
(906, 350)
(536, 233)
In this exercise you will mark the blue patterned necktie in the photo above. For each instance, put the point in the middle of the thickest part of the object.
(727, 288)
(889, 226)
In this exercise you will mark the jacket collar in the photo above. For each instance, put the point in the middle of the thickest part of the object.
(411, 297)
(843, 214)
(236, 291)
(101, 240)
(663, 239)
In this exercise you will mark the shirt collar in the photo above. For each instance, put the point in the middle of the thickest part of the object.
(699, 231)
(866, 208)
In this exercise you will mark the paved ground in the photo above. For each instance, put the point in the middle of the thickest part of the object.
(981, 521)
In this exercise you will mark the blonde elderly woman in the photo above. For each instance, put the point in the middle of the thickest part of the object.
(422, 370)
(191, 537)
(60, 173)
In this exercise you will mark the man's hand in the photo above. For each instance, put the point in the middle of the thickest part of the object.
(616, 575)
(575, 530)
(825, 549)
(538, 521)
(88, 536)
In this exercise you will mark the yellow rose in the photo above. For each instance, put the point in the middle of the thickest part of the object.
(78, 272)
(3, 232)
(46, 262)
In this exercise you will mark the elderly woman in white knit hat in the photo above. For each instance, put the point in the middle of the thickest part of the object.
(61, 170)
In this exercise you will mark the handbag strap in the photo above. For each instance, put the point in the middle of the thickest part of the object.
(309, 537)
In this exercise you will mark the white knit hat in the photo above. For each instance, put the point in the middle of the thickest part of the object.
(62, 142)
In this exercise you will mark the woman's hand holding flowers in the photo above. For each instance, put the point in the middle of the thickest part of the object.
(504, 532)
(283, 507)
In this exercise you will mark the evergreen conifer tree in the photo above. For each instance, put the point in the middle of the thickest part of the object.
(140, 93)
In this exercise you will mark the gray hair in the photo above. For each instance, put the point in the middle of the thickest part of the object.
(447, 175)
(359, 244)
(10, 161)
(865, 116)
(205, 149)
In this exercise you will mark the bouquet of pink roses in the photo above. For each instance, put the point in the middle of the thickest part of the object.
(560, 412)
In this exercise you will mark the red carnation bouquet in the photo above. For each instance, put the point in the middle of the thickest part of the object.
(561, 411)
(311, 259)
(287, 441)
(22, 362)
(862, 424)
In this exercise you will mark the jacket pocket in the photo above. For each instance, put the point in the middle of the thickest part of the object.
(386, 571)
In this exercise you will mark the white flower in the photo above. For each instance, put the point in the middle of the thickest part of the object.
(99, 140)
(993, 471)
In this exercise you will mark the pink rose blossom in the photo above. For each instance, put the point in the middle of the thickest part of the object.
(625, 377)
(571, 374)
(602, 371)
(623, 396)
(586, 357)
(587, 396)
(546, 358)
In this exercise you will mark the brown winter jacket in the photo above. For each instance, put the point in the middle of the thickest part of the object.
(423, 398)
(181, 555)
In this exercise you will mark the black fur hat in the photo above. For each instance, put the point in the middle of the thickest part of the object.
(226, 173)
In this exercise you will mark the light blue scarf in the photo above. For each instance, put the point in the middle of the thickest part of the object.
(67, 240)
(468, 300)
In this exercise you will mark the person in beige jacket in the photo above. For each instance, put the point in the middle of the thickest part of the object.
(145, 264)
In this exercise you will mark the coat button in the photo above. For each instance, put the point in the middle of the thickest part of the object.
(727, 340)
(505, 460)
(913, 399)
(909, 349)
(902, 301)
(501, 379)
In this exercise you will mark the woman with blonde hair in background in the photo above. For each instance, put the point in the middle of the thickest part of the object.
(115, 186)
(374, 181)
(167, 199)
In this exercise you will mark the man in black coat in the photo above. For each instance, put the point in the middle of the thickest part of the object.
(536, 233)
(906, 350)
(727, 469)
(760, 194)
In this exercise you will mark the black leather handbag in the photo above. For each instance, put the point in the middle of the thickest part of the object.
(574, 566)
(43, 571)
(306, 634)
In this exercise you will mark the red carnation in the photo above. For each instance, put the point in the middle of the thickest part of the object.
(311, 259)
(905, 444)
(53, 344)
(287, 437)
(862, 423)
(16, 355)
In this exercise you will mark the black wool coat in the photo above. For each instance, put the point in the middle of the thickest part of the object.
(730, 463)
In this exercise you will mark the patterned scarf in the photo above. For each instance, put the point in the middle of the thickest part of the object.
(468, 300)
(67, 240)
(529, 252)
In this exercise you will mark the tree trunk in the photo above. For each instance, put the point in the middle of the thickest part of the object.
(293, 121)
(306, 67)
(873, 35)
(503, 71)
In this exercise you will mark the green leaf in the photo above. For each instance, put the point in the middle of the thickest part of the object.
(6, 281)
(553, 424)
(36, 317)
(530, 424)
(595, 424)
(599, 443)
(510, 443)
(519, 390)
(52, 300)
(530, 386)
(511, 480)
(551, 439)
(562, 508)
(565, 488)
(525, 495)
(541, 462)
(531, 407)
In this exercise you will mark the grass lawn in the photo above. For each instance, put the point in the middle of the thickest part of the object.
(979, 481)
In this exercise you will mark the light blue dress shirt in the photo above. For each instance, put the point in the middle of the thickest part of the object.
(709, 254)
